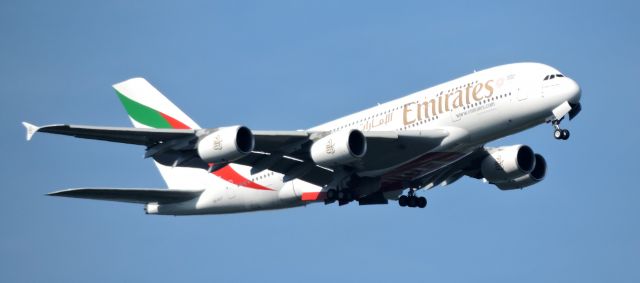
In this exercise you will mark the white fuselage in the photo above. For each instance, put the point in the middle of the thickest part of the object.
(474, 109)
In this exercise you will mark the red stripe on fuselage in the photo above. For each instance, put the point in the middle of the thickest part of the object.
(313, 196)
(226, 173)
(232, 176)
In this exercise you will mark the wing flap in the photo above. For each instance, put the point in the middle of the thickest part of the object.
(130, 195)
(279, 141)
(388, 149)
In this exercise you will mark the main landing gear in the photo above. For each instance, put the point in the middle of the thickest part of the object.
(342, 196)
(558, 133)
(412, 200)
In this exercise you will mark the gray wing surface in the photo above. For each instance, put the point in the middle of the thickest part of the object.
(137, 136)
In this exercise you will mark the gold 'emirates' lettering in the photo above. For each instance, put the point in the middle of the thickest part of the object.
(416, 111)
(405, 111)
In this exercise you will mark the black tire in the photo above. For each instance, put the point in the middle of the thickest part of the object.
(565, 134)
(557, 134)
(332, 194)
(348, 196)
(412, 201)
(422, 202)
(402, 201)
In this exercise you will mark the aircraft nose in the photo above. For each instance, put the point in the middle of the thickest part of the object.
(573, 91)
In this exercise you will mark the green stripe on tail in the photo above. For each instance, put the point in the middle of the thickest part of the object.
(143, 114)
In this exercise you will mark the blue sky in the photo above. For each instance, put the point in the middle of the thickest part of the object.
(290, 65)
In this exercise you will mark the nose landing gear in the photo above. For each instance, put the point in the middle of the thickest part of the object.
(558, 133)
(412, 200)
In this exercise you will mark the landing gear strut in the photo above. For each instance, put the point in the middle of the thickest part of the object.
(558, 133)
(412, 200)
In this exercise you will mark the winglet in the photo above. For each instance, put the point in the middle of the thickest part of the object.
(31, 130)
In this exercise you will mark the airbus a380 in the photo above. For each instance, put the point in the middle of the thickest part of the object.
(428, 138)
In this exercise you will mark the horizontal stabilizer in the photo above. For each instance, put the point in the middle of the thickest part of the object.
(138, 136)
(130, 195)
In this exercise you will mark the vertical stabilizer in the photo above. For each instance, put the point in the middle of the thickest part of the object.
(148, 108)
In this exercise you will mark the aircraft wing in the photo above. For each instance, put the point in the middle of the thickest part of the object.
(130, 195)
(288, 154)
(139, 136)
(285, 152)
(451, 168)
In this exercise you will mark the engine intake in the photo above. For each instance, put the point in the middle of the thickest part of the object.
(537, 174)
(226, 144)
(507, 163)
(339, 148)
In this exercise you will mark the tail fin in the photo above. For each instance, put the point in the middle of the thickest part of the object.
(148, 108)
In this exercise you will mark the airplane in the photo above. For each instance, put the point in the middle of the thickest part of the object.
(429, 138)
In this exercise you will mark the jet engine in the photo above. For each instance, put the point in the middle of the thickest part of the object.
(339, 148)
(513, 167)
(507, 163)
(535, 176)
(226, 144)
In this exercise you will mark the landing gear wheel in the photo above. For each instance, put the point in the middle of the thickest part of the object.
(332, 194)
(403, 201)
(422, 202)
(557, 133)
(344, 197)
(412, 201)
(348, 196)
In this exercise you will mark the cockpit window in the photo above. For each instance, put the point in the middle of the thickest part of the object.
(551, 77)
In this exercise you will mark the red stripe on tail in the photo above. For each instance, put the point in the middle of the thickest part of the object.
(173, 122)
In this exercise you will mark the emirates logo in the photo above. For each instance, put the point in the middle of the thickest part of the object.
(330, 147)
(217, 143)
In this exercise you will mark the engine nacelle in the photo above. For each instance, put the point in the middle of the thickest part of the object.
(339, 148)
(226, 144)
(508, 163)
(535, 176)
